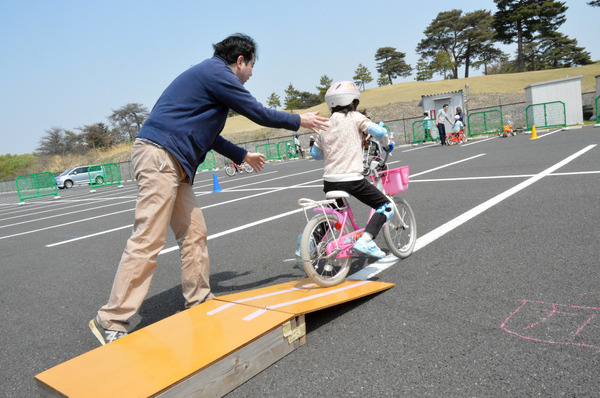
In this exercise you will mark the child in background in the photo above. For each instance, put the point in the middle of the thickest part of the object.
(458, 125)
(340, 147)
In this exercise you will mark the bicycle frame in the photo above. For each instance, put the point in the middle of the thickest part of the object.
(456, 137)
(341, 247)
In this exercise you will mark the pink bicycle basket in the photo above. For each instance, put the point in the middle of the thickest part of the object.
(394, 181)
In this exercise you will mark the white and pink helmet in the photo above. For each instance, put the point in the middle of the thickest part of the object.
(341, 94)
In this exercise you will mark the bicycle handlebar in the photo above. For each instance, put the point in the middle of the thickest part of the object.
(379, 151)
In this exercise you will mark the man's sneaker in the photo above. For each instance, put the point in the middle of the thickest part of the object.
(104, 335)
(369, 248)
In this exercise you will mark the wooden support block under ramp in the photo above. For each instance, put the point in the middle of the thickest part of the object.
(207, 350)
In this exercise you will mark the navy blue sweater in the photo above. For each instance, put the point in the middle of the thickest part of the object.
(190, 114)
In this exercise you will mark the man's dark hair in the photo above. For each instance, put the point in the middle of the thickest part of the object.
(234, 46)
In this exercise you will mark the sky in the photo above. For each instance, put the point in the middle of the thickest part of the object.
(68, 64)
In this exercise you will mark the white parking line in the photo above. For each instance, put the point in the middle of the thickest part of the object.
(381, 265)
(203, 208)
(445, 165)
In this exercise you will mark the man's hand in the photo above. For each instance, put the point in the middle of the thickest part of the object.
(256, 160)
(314, 122)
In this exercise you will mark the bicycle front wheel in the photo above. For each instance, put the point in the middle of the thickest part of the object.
(400, 232)
(230, 170)
(313, 246)
(247, 168)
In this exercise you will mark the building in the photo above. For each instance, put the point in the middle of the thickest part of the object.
(433, 103)
(567, 91)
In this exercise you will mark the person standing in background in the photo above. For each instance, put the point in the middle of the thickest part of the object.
(442, 117)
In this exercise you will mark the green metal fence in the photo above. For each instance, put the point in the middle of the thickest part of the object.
(102, 175)
(596, 114)
(269, 150)
(488, 122)
(209, 162)
(36, 185)
(287, 149)
(422, 130)
(548, 114)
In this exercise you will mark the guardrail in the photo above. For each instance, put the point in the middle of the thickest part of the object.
(547, 114)
(102, 175)
(487, 122)
(36, 185)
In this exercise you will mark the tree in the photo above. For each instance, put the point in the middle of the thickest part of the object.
(444, 35)
(74, 143)
(13, 165)
(128, 120)
(488, 55)
(391, 64)
(478, 35)
(362, 76)
(96, 135)
(556, 50)
(383, 80)
(424, 70)
(594, 3)
(442, 64)
(323, 86)
(273, 101)
(53, 143)
(518, 21)
(307, 100)
(292, 98)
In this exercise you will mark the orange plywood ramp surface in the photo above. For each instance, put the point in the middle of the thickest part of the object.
(301, 297)
(167, 357)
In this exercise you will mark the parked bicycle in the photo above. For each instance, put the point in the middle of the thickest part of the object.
(232, 168)
(327, 240)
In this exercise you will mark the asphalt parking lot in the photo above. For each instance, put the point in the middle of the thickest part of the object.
(501, 297)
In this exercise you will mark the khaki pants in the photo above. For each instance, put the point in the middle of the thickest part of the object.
(165, 197)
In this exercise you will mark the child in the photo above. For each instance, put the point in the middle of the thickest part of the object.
(458, 125)
(426, 126)
(340, 147)
(298, 146)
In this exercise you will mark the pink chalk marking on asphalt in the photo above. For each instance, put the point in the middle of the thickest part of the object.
(543, 319)
(582, 326)
(552, 312)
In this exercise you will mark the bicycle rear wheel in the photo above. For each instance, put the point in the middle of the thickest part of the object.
(313, 247)
(400, 232)
(247, 168)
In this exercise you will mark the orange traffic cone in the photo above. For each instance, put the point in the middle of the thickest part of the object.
(533, 134)
(216, 186)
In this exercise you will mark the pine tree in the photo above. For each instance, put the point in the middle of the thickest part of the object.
(362, 76)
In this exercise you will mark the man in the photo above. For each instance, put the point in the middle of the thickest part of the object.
(442, 115)
(183, 126)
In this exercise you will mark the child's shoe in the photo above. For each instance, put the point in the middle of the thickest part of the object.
(368, 248)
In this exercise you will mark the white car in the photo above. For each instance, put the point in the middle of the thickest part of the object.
(78, 176)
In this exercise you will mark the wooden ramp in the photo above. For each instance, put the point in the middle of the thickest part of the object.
(207, 350)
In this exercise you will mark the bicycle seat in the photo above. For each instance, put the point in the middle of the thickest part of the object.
(337, 194)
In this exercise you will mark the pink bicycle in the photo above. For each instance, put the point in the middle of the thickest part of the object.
(327, 239)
